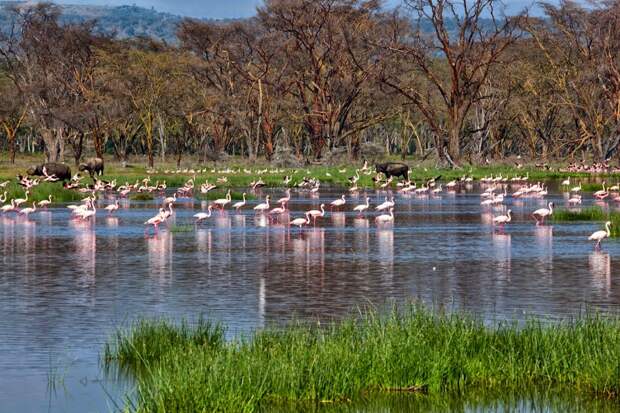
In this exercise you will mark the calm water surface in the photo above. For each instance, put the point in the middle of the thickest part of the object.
(65, 286)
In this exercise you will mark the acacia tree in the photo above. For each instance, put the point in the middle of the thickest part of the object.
(45, 60)
(451, 49)
(327, 62)
(581, 47)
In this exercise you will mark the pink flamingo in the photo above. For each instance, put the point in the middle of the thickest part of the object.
(599, 236)
(261, 208)
(112, 208)
(314, 213)
(362, 207)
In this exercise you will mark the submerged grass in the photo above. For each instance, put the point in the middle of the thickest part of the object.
(187, 369)
(590, 214)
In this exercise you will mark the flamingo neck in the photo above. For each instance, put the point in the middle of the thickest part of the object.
(607, 229)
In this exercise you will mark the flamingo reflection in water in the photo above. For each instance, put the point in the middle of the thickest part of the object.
(600, 269)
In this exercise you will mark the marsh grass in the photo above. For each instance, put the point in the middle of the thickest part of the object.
(43, 191)
(187, 369)
(588, 215)
(142, 196)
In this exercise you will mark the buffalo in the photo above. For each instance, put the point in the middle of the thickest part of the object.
(395, 169)
(59, 170)
(94, 166)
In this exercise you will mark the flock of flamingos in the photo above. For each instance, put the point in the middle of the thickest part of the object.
(494, 193)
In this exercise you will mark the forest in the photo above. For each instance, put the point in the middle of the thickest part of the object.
(319, 81)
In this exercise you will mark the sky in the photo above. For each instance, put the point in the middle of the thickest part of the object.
(226, 8)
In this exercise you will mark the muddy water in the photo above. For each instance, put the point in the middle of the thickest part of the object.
(65, 285)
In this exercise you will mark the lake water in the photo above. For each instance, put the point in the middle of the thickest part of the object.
(65, 286)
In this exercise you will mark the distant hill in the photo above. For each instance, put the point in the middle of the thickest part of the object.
(122, 21)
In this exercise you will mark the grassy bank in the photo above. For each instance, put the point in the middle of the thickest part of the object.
(191, 369)
(591, 214)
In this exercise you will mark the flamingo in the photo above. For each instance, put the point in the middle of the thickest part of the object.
(20, 201)
(156, 220)
(385, 218)
(27, 211)
(9, 207)
(112, 208)
(222, 202)
(386, 205)
(314, 213)
(300, 222)
(240, 204)
(502, 220)
(170, 200)
(45, 203)
(599, 236)
(278, 211)
(542, 213)
(4, 197)
(338, 202)
(261, 208)
(286, 198)
(201, 216)
(576, 188)
(602, 194)
(89, 212)
(566, 182)
(362, 207)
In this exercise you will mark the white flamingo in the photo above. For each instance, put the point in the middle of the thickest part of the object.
(300, 222)
(542, 213)
(9, 207)
(338, 202)
(315, 213)
(20, 201)
(599, 236)
(286, 198)
(386, 205)
(602, 194)
(222, 202)
(362, 207)
(201, 216)
(156, 220)
(45, 203)
(261, 208)
(385, 218)
(112, 208)
(28, 211)
(240, 204)
(502, 220)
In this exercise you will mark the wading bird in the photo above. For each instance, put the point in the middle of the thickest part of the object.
(201, 216)
(385, 218)
(599, 236)
(540, 214)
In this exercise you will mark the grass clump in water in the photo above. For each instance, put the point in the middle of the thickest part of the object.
(194, 369)
(590, 214)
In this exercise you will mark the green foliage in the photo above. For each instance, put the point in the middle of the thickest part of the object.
(590, 214)
(142, 196)
(43, 191)
(193, 369)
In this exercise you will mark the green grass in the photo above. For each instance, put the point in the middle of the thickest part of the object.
(590, 214)
(181, 228)
(188, 369)
(43, 191)
(142, 196)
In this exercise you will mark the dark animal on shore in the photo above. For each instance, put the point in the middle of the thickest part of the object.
(395, 169)
(59, 170)
(94, 166)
